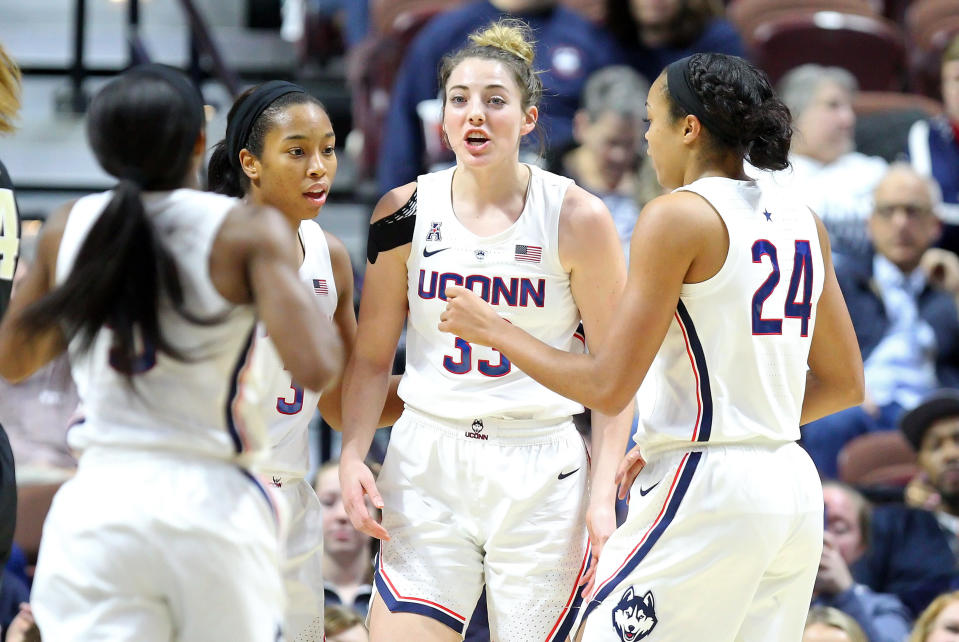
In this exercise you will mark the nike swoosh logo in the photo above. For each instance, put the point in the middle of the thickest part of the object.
(565, 475)
(427, 253)
(643, 492)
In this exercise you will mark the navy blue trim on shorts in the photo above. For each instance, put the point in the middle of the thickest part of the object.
(640, 552)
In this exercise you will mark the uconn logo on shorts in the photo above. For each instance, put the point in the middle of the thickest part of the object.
(476, 431)
(634, 617)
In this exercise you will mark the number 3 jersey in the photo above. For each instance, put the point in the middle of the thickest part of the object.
(202, 405)
(290, 407)
(518, 272)
(732, 367)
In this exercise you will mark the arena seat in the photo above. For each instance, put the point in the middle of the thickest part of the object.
(749, 14)
(878, 459)
(872, 48)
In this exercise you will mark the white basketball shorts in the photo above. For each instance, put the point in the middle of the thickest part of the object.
(720, 544)
(303, 559)
(147, 546)
(499, 502)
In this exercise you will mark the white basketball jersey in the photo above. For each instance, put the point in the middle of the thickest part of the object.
(518, 272)
(201, 405)
(290, 407)
(732, 367)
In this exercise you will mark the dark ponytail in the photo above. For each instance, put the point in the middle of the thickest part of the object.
(223, 178)
(735, 103)
(250, 119)
(144, 134)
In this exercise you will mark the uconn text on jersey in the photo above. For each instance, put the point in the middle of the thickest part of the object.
(512, 291)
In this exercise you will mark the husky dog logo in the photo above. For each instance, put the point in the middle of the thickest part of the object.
(634, 617)
(434, 233)
(480, 254)
(476, 430)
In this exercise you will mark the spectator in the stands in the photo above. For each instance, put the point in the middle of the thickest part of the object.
(939, 622)
(905, 320)
(826, 624)
(347, 553)
(827, 173)
(882, 616)
(606, 154)
(342, 624)
(934, 146)
(568, 49)
(933, 430)
(654, 33)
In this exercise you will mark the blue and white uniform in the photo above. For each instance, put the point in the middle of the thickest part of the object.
(719, 416)
(485, 477)
(163, 533)
(290, 408)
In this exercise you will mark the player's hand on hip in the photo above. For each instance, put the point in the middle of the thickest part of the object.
(469, 317)
(356, 480)
(631, 465)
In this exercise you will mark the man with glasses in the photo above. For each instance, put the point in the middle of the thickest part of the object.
(904, 316)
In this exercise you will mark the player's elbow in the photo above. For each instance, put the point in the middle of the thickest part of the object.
(323, 372)
(610, 398)
(849, 389)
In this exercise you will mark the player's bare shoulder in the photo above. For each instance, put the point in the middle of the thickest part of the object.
(247, 231)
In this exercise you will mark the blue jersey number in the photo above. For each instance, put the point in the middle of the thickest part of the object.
(464, 363)
(802, 271)
(291, 407)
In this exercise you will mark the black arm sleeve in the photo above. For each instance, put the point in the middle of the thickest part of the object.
(9, 238)
(392, 231)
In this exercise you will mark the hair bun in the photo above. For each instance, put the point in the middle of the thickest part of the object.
(508, 34)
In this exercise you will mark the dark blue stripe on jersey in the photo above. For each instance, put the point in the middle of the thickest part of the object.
(570, 618)
(396, 605)
(632, 562)
(234, 388)
(706, 422)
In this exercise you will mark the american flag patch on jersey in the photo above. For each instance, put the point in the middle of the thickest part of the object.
(529, 253)
(320, 287)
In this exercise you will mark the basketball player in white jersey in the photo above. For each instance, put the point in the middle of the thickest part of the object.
(279, 151)
(155, 290)
(734, 331)
(485, 480)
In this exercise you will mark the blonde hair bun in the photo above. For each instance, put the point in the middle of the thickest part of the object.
(508, 34)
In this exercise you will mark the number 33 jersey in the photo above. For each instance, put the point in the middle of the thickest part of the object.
(732, 368)
(518, 272)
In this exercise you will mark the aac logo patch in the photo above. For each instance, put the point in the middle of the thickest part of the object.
(434, 233)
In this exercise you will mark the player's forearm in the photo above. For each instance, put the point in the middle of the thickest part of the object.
(575, 376)
(365, 388)
(824, 398)
(610, 436)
